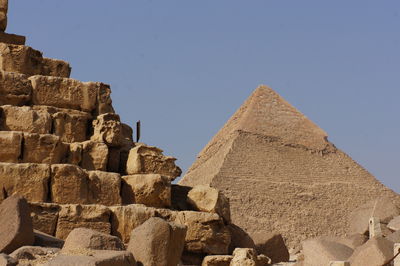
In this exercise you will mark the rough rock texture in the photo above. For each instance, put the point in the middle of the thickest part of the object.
(145, 159)
(108, 129)
(272, 245)
(248, 257)
(375, 252)
(6, 260)
(95, 258)
(28, 180)
(11, 38)
(10, 146)
(94, 156)
(153, 190)
(157, 243)
(45, 216)
(269, 146)
(45, 240)
(239, 238)
(84, 238)
(30, 252)
(15, 88)
(16, 224)
(394, 224)
(104, 188)
(217, 260)
(207, 199)
(3, 14)
(43, 148)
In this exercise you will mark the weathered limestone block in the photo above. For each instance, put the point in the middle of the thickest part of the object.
(104, 188)
(381, 208)
(217, 260)
(375, 251)
(394, 224)
(11, 38)
(16, 224)
(94, 156)
(272, 245)
(46, 240)
(84, 238)
(6, 260)
(25, 60)
(69, 184)
(95, 258)
(74, 153)
(108, 129)
(179, 198)
(248, 257)
(157, 242)
(45, 216)
(15, 89)
(208, 199)
(32, 252)
(43, 148)
(96, 217)
(145, 159)
(149, 189)
(206, 232)
(104, 102)
(64, 93)
(3, 15)
(26, 119)
(124, 219)
(28, 180)
(239, 238)
(10, 146)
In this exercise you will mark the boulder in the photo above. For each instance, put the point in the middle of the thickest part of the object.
(208, 199)
(381, 208)
(31, 252)
(320, 251)
(26, 119)
(107, 128)
(10, 146)
(145, 159)
(15, 89)
(16, 224)
(43, 148)
(375, 252)
(84, 238)
(248, 257)
(206, 232)
(71, 216)
(6, 260)
(28, 180)
(104, 188)
(239, 238)
(217, 260)
(272, 245)
(394, 224)
(94, 156)
(95, 258)
(45, 240)
(157, 243)
(69, 184)
(45, 216)
(152, 190)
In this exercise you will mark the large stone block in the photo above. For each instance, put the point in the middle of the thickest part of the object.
(145, 159)
(149, 189)
(15, 89)
(45, 216)
(104, 188)
(12, 38)
(10, 146)
(28, 180)
(107, 128)
(69, 184)
(96, 217)
(375, 252)
(94, 156)
(94, 258)
(43, 148)
(25, 60)
(26, 119)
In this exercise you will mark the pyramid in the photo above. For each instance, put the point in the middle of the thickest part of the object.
(281, 173)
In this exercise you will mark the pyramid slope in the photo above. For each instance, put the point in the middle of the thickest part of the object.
(280, 183)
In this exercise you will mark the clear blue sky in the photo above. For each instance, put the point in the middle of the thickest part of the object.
(183, 67)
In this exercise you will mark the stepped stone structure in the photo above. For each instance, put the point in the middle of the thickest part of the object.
(281, 173)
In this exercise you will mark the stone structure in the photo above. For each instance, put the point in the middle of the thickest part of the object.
(281, 173)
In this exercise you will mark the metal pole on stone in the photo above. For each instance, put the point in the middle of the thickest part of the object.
(137, 131)
(339, 263)
(375, 227)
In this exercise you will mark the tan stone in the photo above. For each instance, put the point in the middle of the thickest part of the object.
(94, 156)
(206, 232)
(74, 153)
(96, 217)
(84, 238)
(375, 252)
(157, 242)
(272, 245)
(32, 252)
(70, 125)
(281, 173)
(45, 240)
(104, 188)
(45, 217)
(28, 180)
(319, 251)
(239, 238)
(16, 224)
(25, 60)
(12, 38)
(108, 129)
(69, 184)
(95, 258)
(145, 159)
(104, 102)
(149, 189)
(6, 260)
(15, 89)
(43, 148)
(14, 118)
(3, 15)
(381, 208)
(10, 146)
(394, 224)
(248, 257)
(124, 219)
(217, 260)
(208, 199)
